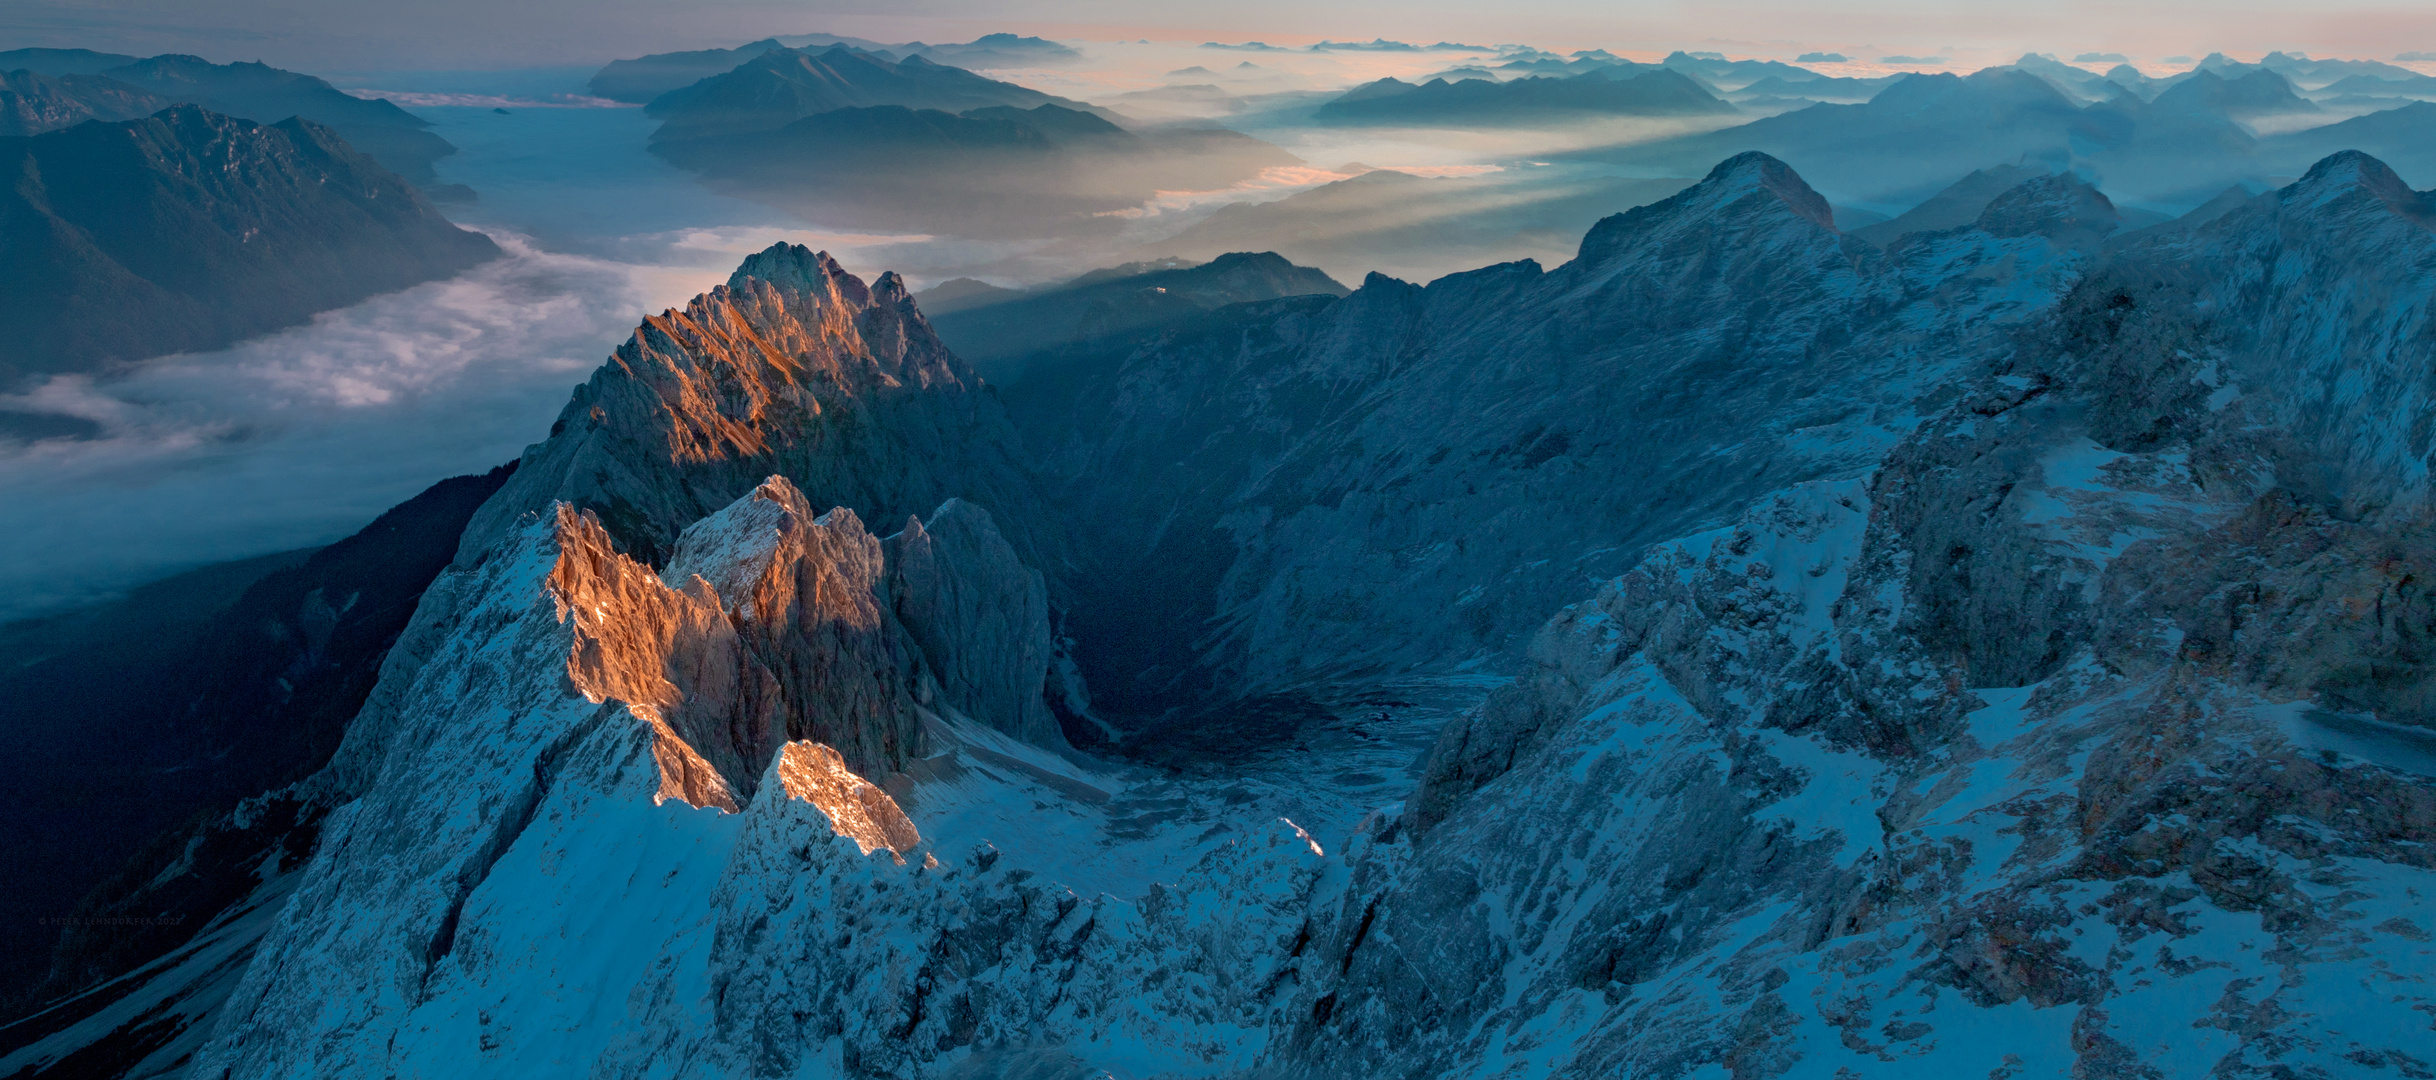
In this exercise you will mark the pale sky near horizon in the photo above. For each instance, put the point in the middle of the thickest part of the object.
(392, 35)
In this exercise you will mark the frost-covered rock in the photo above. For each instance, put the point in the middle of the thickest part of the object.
(2092, 753)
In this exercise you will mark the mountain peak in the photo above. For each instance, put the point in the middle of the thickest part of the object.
(1749, 194)
(1754, 170)
(799, 269)
(2347, 172)
(2061, 206)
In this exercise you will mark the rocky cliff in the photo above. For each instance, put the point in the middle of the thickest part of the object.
(763, 666)
(2003, 658)
(794, 367)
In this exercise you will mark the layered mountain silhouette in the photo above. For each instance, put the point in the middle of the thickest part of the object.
(1957, 205)
(780, 86)
(63, 61)
(2173, 142)
(189, 230)
(997, 330)
(1417, 227)
(378, 129)
(1486, 102)
(644, 78)
(847, 135)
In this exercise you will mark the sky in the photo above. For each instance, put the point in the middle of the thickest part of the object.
(333, 36)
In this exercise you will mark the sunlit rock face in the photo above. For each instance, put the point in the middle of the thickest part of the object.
(814, 773)
(776, 634)
(2044, 698)
(794, 368)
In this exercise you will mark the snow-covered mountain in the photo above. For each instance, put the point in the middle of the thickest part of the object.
(1999, 653)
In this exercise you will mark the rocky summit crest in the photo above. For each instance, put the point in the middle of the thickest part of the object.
(1744, 196)
(2351, 174)
(793, 367)
(2063, 207)
(797, 268)
(1755, 170)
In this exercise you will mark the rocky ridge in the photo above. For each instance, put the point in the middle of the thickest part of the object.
(1317, 485)
(2045, 876)
(31, 102)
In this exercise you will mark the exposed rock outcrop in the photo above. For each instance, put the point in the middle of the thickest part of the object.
(980, 615)
(770, 627)
(856, 809)
(794, 368)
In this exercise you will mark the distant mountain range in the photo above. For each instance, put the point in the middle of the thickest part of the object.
(189, 230)
(2174, 142)
(994, 329)
(845, 134)
(1957, 205)
(783, 85)
(258, 92)
(1419, 228)
(646, 77)
(1484, 102)
(997, 171)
